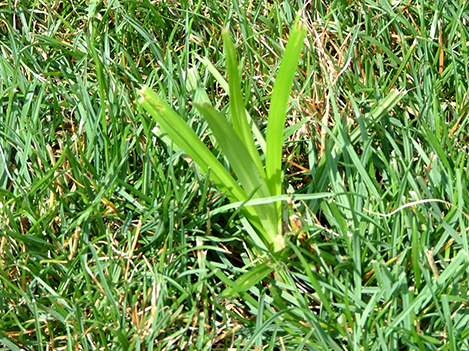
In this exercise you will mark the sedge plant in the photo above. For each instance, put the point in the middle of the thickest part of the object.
(255, 177)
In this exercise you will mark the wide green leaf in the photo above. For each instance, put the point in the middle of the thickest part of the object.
(252, 179)
(185, 138)
(237, 108)
(278, 107)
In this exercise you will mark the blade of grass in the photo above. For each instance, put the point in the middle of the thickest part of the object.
(237, 108)
(224, 84)
(278, 106)
(252, 178)
(248, 280)
(185, 138)
(455, 268)
(384, 107)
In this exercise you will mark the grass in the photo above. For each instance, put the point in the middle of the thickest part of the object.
(111, 238)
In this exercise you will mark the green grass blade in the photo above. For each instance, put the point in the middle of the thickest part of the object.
(451, 339)
(186, 138)
(237, 108)
(278, 106)
(384, 107)
(454, 269)
(248, 280)
(251, 177)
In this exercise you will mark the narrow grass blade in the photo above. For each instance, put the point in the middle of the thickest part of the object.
(185, 138)
(386, 105)
(248, 280)
(451, 338)
(251, 178)
(452, 272)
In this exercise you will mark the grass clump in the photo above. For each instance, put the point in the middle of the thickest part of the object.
(112, 238)
(237, 141)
